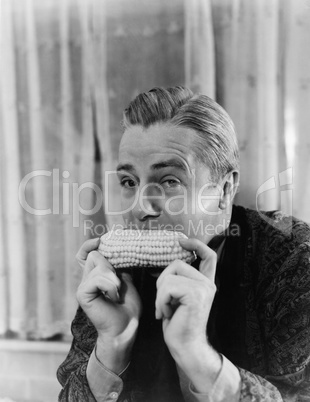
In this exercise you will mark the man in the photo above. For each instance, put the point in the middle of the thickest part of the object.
(235, 326)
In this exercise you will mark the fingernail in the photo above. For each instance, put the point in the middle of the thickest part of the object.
(106, 295)
(183, 242)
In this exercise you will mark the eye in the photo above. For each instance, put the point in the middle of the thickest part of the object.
(128, 182)
(171, 183)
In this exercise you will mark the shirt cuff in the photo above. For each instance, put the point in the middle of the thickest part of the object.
(226, 388)
(105, 385)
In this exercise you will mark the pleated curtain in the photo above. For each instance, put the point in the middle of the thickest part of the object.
(68, 68)
(53, 104)
(258, 54)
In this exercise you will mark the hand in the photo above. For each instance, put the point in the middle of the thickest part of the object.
(111, 303)
(184, 299)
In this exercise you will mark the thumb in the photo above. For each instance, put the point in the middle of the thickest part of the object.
(208, 257)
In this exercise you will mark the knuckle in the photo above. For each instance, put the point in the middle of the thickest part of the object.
(211, 288)
(164, 282)
(78, 294)
(175, 263)
(207, 286)
(213, 256)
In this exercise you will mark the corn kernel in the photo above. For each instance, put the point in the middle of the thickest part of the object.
(143, 248)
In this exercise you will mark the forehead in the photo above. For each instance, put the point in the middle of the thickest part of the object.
(141, 145)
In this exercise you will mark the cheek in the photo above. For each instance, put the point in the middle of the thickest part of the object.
(175, 206)
(128, 197)
(208, 206)
(207, 201)
(128, 202)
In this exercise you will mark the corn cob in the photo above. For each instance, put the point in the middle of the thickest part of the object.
(143, 248)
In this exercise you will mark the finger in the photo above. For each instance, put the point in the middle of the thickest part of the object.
(178, 267)
(100, 271)
(208, 257)
(86, 248)
(127, 286)
(129, 294)
(95, 259)
(173, 291)
(95, 286)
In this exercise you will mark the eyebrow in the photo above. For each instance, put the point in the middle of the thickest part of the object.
(176, 163)
(125, 166)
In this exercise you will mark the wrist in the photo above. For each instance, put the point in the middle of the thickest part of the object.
(114, 352)
(201, 364)
(113, 355)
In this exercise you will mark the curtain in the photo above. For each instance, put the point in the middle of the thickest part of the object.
(51, 85)
(71, 66)
(262, 77)
(296, 103)
(250, 92)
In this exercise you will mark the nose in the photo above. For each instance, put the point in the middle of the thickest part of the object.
(148, 205)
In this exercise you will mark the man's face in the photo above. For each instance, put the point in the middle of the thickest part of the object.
(164, 186)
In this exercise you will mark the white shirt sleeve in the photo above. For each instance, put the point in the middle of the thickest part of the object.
(105, 385)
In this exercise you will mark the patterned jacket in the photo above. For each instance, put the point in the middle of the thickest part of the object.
(260, 319)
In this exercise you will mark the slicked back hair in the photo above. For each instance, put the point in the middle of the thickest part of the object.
(215, 144)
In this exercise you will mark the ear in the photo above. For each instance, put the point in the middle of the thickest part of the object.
(230, 186)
